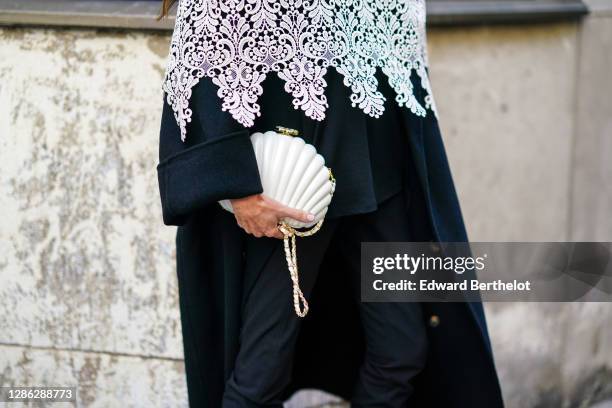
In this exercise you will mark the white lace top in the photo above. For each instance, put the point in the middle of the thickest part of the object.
(238, 42)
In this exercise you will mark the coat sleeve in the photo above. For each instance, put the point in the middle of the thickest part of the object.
(215, 162)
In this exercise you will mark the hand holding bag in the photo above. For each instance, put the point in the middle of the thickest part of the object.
(294, 174)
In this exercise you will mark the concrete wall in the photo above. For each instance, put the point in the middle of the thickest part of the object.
(88, 293)
(527, 118)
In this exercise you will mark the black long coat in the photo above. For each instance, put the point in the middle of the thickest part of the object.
(217, 162)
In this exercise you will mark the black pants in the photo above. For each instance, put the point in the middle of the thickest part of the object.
(394, 332)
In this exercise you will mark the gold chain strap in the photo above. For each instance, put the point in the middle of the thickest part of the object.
(299, 301)
(289, 233)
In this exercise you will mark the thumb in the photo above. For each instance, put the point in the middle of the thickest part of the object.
(297, 215)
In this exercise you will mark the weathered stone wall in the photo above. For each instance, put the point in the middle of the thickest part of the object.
(88, 293)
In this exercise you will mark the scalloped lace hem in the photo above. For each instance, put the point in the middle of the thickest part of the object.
(238, 42)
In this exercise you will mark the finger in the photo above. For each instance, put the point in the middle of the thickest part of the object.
(240, 222)
(247, 227)
(274, 233)
(297, 215)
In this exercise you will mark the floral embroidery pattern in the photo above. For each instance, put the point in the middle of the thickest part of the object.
(238, 42)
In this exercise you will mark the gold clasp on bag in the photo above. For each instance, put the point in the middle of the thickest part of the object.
(287, 131)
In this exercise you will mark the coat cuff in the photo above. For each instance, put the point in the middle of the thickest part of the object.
(205, 173)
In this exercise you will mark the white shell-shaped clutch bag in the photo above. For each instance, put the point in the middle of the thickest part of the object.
(292, 173)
